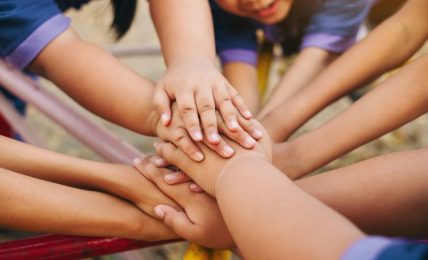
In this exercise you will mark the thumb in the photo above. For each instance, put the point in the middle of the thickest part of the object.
(162, 104)
(176, 220)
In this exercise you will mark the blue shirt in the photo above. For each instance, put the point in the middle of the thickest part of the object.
(27, 26)
(331, 25)
(381, 248)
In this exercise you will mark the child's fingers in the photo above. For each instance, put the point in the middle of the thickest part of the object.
(226, 108)
(173, 155)
(194, 187)
(148, 168)
(239, 136)
(222, 148)
(251, 126)
(239, 103)
(159, 161)
(162, 104)
(182, 140)
(206, 109)
(176, 220)
(176, 178)
(188, 111)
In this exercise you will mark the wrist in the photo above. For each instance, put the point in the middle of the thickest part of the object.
(235, 164)
(153, 122)
(118, 180)
(192, 60)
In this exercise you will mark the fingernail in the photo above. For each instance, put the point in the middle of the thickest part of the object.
(228, 151)
(249, 142)
(159, 162)
(247, 114)
(197, 136)
(199, 156)
(155, 144)
(164, 118)
(194, 187)
(214, 137)
(137, 161)
(257, 134)
(170, 178)
(159, 212)
(234, 124)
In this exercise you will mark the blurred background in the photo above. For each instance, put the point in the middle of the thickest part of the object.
(92, 22)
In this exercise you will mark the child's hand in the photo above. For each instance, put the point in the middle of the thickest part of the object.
(201, 221)
(198, 88)
(137, 189)
(206, 173)
(176, 133)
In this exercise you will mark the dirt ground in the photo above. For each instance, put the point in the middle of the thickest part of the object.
(92, 23)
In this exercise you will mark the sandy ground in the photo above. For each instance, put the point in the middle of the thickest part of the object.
(92, 23)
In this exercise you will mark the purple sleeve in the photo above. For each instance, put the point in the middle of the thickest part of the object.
(369, 248)
(28, 49)
(238, 55)
(335, 25)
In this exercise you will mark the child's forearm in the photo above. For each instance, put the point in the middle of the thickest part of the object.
(120, 180)
(399, 100)
(243, 77)
(305, 67)
(35, 205)
(366, 60)
(97, 81)
(179, 45)
(255, 198)
(385, 195)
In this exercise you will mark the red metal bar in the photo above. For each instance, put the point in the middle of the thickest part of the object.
(68, 247)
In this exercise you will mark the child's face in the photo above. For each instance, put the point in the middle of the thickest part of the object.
(264, 11)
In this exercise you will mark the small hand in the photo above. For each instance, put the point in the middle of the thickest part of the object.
(206, 173)
(201, 220)
(176, 133)
(198, 88)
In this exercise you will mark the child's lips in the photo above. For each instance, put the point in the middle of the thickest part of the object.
(268, 10)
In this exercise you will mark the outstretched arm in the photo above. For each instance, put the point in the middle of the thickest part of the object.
(307, 65)
(389, 45)
(399, 100)
(39, 206)
(97, 81)
(120, 180)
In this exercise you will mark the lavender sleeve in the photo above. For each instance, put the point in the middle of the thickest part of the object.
(335, 25)
(28, 49)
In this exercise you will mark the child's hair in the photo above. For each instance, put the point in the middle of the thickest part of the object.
(123, 15)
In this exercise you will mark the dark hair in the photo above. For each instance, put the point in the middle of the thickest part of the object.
(123, 15)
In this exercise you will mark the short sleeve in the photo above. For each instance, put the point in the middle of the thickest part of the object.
(335, 24)
(235, 37)
(382, 248)
(27, 26)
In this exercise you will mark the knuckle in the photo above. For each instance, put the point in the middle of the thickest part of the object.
(187, 109)
(206, 108)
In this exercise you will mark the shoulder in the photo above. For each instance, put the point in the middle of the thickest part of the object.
(27, 26)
